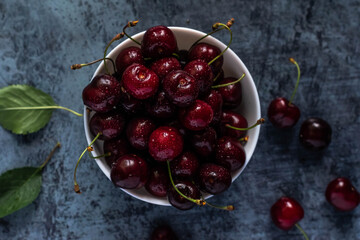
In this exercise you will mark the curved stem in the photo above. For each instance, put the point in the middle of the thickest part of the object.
(302, 231)
(216, 77)
(58, 145)
(176, 56)
(258, 122)
(41, 108)
(298, 79)
(230, 83)
(221, 24)
(228, 207)
(104, 155)
(78, 66)
(131, 24)
(88, 148)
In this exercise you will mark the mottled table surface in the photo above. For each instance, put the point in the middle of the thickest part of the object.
(39, 40)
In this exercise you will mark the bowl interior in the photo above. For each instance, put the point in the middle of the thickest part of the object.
(233, 67)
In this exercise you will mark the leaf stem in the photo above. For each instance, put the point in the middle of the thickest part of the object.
(58, 145)
(298, 79)
(302, 231)
(230, 83)
(41, 108)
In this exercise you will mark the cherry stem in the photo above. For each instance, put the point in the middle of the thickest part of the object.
(258, 122)
(230, 83)
(229, 24)
(78, 66)
(216, 77)
(244, 139)
(58, 145)
(131, 24)
(216, 25)
(104, 155)
(88, 148)
(41, 108)
(302, 231)
(176, 56)
(200, 202)
(298, 78)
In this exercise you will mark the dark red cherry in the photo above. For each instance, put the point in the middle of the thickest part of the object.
(188, 189)
(214, 99)
(185, 165)
(315, 133)
(286, 212)
(282, 114)
(182, 130)
(213, 178)
(342, 194)
(138, 132)
(127, 57)
(203, 74)
(110, 125)
(230, 153)
(180, 88)
(196, 117)
(183, 57)
(236, 120)
(164, 66)
(102, 93)
(130, 104)
(160, 106)
(158, 42)
(129, 172)
(139, 81)
(207, 52)
(163, 232)
(165, 143)
(158, 182)
(232, 94)
(117, 147)
(204, 142)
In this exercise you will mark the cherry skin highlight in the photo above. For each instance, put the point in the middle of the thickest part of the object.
(286, 212)
(196, 117)
(342, 194)
(109, 124)
(231, 94)
(117, 147)
(164, 66)
(127, 57)
(138, 132)
(214, 99)
(214, 179)
(186, 165)
(230, 153)
(315, 133)
(158, 182)
(234, 119)
(188, 189)
(207, 52)
(203, 74)
(282, 114)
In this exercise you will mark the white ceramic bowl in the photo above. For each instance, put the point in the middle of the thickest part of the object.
(233, 67)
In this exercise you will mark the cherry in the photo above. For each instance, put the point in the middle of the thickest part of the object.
(342, 194)
(165, 143)
(163, 232)
(204, 142)
(203, 74)
(188, 189)
(129, 172)
(196, 117)
(185, 165)
(130, 104)
(183, 57)
(109, 124)
(207, 52)
(230, 153)
(158, 182)
(117, 147)
(180, 88)
(234, 119)
(214, 99)
(315, 133)
(164, 66)
(127, 57)
(102, 93)
(158, 42)
(138, 132)
(231, 94)
(182, 130)
(283, 113)
(286, 212)
(160, 106)
(139, 81)
(213, 178)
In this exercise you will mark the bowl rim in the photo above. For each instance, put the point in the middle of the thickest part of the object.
(256, 131)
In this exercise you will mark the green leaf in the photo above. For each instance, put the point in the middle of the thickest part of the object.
(18, 188)
(17, 113)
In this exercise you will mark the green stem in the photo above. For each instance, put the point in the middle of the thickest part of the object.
(58, 145)
(228, 207)
(298, 79)
(41, 108)
(104, 155)
(230, 83)
(131, 24)
(78, 66)
(302, 231)
(221, 24)
(258, 122)
(217, 76)
(176, 56)
(210, 33)
(76, 185)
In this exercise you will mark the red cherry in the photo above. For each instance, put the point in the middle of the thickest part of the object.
(109, 124)
(342, 194)
(207, 52)
(164, 66)
(282, 114)
(203, 74)
(315, 133)
(158, 182)
(196, 117)
(231, 94)
(286, 212)
(127, 57)
(230, 153)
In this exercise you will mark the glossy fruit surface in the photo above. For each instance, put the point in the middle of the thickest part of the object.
(185, 165)
(342, 194)
(164, 66)
(231, 94)
(109, 124)
(196, 117)
(138, 132)
(234, 119)
(188, 189)
(127, 57)
(286, 212)
(315, 133)
(230, 153)
(129, 104)
(158, 182)
(203, 74)
(204, 142)
(207, 52)
(213, 178)
(282, 114)
(214, 99)
(117, 147)
(160, 106)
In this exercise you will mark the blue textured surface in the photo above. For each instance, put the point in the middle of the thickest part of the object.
(39, 40)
